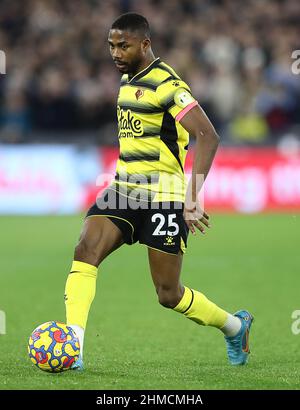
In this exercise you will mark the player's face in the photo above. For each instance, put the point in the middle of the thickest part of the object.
(127, 49)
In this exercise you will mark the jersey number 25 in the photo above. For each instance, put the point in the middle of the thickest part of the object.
(172, 228)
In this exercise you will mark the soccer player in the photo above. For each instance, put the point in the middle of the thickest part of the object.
(156, 113)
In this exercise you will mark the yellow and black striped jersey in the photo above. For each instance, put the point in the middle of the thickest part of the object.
(153, 144)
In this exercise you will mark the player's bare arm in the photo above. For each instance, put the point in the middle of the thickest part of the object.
(198, 125)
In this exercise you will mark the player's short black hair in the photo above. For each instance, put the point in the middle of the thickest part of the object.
(132, 22)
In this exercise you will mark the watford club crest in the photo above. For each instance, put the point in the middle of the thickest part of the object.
(139, 94)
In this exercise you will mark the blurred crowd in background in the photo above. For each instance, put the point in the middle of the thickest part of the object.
(60, 83)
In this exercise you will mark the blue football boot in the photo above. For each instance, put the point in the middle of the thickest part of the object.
(78, 365)
(238, 346)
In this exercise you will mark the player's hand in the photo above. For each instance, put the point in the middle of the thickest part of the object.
(195, 219)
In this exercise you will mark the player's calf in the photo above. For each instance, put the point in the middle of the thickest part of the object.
(86, 252)
(169, 297)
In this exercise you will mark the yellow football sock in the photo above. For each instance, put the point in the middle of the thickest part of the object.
(80, 292)
(195, 306)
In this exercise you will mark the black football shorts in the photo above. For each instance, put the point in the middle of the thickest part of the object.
(158, 225)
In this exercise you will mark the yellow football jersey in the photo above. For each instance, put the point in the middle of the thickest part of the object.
(153, 144)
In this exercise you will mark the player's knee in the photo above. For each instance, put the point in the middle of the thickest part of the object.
(168, 297)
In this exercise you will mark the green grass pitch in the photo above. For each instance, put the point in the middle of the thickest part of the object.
(131, 341)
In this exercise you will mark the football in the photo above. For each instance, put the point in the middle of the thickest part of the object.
(53, 347)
